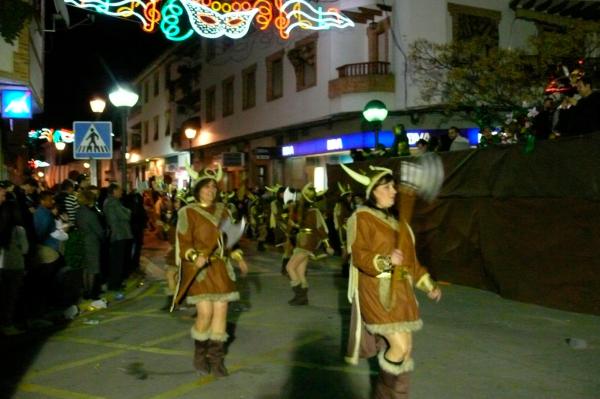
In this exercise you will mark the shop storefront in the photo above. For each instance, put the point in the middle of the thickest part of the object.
(306, 160)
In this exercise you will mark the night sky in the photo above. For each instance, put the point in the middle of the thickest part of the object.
(74, 63)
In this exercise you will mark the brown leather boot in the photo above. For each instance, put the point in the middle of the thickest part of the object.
(200, 360)
(393, 379)
(390, 386)
(216, 355)
(201, 351)
(296, 290)
(301, 297)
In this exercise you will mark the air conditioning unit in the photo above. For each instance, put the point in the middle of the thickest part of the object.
(232, 159)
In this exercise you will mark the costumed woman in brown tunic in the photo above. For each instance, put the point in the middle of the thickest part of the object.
(381, 283)
(312, 231)
(204, 261)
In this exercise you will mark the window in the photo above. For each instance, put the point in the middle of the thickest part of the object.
(145, 131)
(156, 123)
(249, 87)
(210, 104)
(156, 83)
(146, 91)
(136, 141)
(275, 76)
(304, 60)
(167, 123)
(228, 96)
(473, 22)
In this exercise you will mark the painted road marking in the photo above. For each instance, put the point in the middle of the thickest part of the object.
(128, 347)
(55, 392)
(69, 365)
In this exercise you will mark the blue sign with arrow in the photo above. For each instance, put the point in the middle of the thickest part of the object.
(93, 140)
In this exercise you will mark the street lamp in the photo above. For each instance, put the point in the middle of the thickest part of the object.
(97, 105)
(375, 111)
(123, 99)
(60, 145)
(190, 133)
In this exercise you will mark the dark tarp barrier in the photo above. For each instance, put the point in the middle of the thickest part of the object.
(526, 226)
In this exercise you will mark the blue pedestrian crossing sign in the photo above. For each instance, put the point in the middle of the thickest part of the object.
(93, 140)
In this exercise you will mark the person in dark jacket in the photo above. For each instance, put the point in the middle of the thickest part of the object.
(584, 116)
(92, 235)
(118, 219)
(139, 219)
(13, 247)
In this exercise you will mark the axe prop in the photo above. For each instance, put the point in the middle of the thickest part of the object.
(422, 178)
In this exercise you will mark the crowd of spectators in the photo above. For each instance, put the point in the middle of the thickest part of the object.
(63, 244)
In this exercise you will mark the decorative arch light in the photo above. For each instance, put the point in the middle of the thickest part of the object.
(53, 135)
(36, 163)
(180, 19)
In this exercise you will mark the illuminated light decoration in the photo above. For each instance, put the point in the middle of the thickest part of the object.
(213, 19)
(53, 135)
(313, 18)
(169, 25)
(209, 22)
(145, 11)
(35, 163)
(265, 13)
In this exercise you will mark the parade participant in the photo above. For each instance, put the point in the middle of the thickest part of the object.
(171, 265)
(381, 282)
(207, 278)
(229, 200)
(258, 220)
(312, 231)
(278, 223)
(341, 212)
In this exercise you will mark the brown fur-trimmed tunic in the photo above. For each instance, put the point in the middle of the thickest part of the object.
(198, 230)
(312, 231)
(371, 235)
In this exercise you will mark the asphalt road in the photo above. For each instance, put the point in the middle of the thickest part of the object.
(474, 344)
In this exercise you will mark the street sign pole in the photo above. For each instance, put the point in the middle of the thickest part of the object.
(94, 172)
(124, 111)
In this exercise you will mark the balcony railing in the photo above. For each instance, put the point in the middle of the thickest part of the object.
(364, 69)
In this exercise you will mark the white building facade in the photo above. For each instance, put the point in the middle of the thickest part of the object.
(273, 110)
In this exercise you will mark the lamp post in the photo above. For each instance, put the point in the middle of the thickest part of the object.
(97, 105)
(375, 111)
(60, 146)
(123, 99)
(190, 133)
